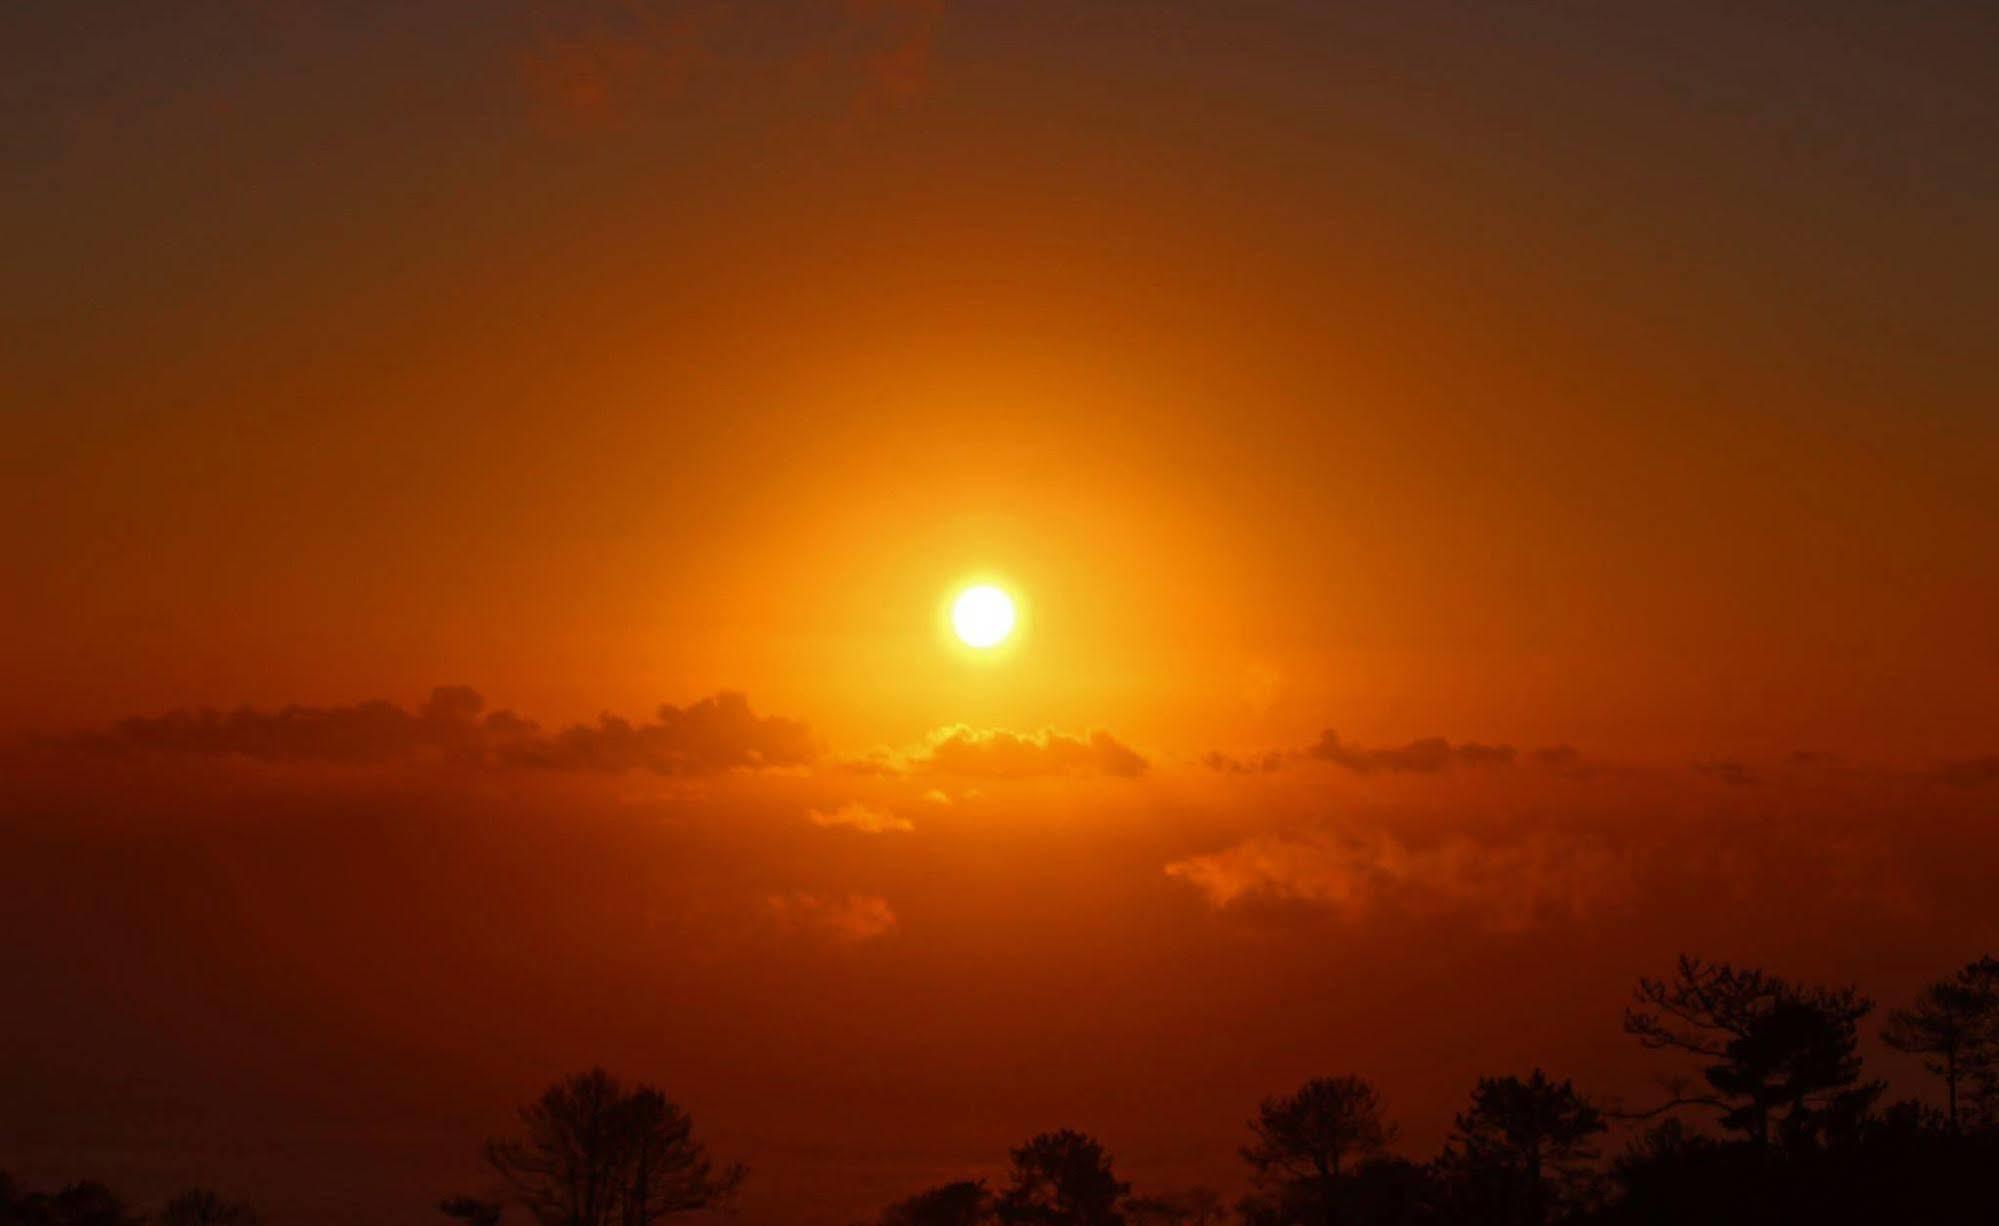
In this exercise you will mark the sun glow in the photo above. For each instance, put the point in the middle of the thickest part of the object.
(982, 616)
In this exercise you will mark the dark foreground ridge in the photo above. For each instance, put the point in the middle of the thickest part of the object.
(1770, 1121)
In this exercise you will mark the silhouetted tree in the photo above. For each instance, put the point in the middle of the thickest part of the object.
(1954, 1026)
(963, 1203)
(202, 1207)
(1309, 1136)
(17, 1204)
(1204, 1206)
(20, 1207)
(595, 1155)
(1523, 1149)
(1153, 1210)
(1783, 1056)
(471, 1211)
(1668, 1172)
(1196, 1206)
(1381, 1191)
(1277, 1205)
(1062, 1177)
(88, 1203)
(1388, 1191)
(666, 1170)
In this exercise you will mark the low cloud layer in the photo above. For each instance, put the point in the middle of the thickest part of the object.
(998, 754)
(847, 919)
(867, 819)
(1427, 756)
(1734, 774)
(716, 734)
(1511, 883)
(1970, 772)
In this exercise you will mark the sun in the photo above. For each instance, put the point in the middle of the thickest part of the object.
(982, 616)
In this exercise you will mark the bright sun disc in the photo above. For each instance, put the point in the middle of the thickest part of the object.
(982, 616)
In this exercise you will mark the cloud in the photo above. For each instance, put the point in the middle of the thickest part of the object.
(848, 919)
(375, 731)
(1427, 756)
(716, 734)
(594, 72)
(1734, 774)
(594, 65)
(864, 818)
(903, 33)
(1263, 763)
(998, 754)
(1512, 883)
(1970, 772)
(876, 762)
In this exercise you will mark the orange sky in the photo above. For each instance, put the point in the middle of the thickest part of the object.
(1612, 377)
(1300, 369)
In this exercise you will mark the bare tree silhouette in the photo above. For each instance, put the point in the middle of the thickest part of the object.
(202, 1207)
(1196, 1206)
(666, 1170)
(1311, 1136)
(92, 1204)
(471, 1210)
(1954, 1025)
(595, 1155)
(88, 1203)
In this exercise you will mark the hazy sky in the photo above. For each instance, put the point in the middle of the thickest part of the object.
(1584, 411)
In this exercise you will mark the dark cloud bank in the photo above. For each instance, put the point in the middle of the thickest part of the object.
(1426, 756)
(716, 734)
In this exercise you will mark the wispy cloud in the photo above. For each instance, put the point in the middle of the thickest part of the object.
(846, 919)
(865, 818)
(1510, 883)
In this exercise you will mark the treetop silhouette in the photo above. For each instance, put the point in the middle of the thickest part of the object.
(596, 1154)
